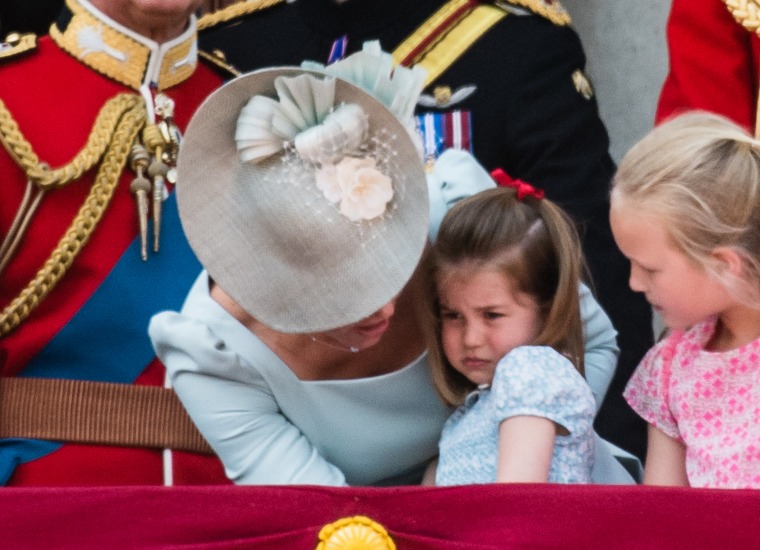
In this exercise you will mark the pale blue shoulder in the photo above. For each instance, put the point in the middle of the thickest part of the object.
(534, 362)
(455, 175)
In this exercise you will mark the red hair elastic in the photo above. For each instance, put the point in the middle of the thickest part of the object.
(523, 189)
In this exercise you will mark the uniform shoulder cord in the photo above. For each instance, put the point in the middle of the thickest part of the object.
(115, 129)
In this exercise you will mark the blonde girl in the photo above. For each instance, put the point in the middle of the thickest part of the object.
(686, 212)
(506, 341)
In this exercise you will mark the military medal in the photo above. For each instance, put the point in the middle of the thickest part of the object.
(441, 131)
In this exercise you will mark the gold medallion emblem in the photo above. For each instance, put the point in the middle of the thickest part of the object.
(355, 533)
(442, 95)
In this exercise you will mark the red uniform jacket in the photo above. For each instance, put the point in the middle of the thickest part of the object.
(93, 325)
(713, 63)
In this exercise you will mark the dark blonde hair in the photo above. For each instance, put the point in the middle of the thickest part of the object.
(531, 241)
(700, 174)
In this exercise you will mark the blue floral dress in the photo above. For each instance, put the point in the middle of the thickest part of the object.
(529, 381)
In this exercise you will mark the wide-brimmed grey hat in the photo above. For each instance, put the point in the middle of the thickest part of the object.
(275, 232)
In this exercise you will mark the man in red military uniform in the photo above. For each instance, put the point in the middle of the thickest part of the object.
(90, 243)
(714, 50)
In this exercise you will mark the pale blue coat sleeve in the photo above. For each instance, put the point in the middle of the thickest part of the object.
(231, 403)
(457, 175)
(600, 342)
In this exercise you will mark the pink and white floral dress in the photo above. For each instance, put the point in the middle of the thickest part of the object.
(708, 400)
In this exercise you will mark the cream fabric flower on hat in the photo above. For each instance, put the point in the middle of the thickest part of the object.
(331, 136)
(361, 190)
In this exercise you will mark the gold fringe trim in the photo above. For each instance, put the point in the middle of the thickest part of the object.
(128, 113)
(234, 11)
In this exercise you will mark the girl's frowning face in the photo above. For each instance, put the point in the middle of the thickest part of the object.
(483, 318)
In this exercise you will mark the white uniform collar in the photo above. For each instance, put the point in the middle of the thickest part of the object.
(120, 53)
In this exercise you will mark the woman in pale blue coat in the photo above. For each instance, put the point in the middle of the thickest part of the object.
(297, 352)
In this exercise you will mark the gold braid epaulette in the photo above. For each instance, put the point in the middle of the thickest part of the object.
(746, 12)
(46, 178)
(234, 11)
(116, 128)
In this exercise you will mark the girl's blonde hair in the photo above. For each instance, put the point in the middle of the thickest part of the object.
(531, 241)
(699, 173)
